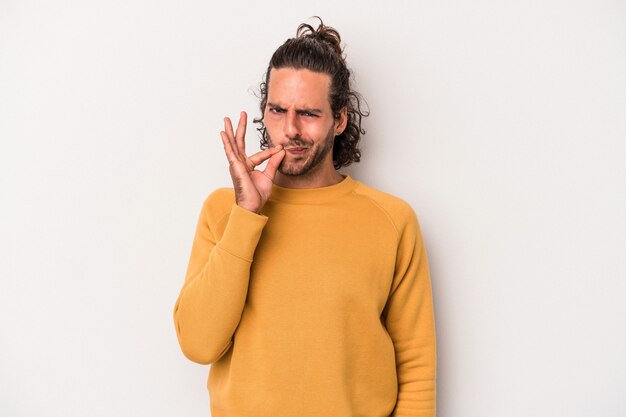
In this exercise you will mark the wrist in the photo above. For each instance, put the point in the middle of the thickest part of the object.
(249, 207)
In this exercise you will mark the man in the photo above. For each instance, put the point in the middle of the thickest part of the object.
(307, 291)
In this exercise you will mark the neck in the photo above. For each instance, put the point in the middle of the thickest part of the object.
(324, 176)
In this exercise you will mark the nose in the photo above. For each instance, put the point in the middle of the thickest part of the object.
(291, 126)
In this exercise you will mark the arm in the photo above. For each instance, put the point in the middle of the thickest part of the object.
(411, 325)
(210, 304)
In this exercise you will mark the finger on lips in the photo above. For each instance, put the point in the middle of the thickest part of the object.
(258, 157)
(272, 165)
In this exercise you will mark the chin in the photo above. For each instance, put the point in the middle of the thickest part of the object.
(293, 166)
(292, 171)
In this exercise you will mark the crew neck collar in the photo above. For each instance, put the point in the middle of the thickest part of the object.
(313, 195)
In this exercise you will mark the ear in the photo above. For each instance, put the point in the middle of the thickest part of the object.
(342, 122)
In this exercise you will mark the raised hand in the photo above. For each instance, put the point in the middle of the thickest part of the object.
(252, 187)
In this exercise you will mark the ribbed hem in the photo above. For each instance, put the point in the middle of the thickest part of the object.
(242, 232)
(313, 195)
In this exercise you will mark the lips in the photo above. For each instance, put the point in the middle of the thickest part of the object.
(296, 150)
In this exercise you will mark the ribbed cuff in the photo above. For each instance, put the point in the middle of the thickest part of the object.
(242, 232)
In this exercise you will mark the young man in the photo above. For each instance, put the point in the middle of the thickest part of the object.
(307, 291)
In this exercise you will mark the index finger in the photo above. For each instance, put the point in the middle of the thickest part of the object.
(261, 156)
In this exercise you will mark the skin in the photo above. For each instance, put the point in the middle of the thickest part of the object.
(301, 128)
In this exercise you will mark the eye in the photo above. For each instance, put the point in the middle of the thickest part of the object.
(309, 114)
(275, 110)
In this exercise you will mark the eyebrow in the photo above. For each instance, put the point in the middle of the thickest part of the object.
(302, 110)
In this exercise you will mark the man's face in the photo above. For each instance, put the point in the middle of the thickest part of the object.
(299, 117)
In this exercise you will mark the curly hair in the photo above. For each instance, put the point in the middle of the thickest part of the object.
(319, 50)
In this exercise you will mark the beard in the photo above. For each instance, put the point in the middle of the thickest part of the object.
(303, 164)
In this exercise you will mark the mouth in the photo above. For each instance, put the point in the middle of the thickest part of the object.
(296, 150)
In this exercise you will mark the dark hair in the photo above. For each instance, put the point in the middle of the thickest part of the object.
(319, 50)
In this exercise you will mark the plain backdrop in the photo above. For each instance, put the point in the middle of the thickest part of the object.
(501, 122)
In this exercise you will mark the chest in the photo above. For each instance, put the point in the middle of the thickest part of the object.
(326, 259)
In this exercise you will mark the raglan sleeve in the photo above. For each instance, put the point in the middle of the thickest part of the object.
(211, 301)
(410, 321)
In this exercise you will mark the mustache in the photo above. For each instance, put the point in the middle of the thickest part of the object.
(296, 142)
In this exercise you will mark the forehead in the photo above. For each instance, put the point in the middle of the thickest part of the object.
(299, 88)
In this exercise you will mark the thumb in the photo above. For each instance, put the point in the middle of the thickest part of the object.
(273, 163)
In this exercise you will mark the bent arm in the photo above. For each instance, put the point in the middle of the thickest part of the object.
(211, 302)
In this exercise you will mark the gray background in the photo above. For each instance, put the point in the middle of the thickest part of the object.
(501, 122)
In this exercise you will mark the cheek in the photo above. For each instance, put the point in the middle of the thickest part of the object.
(315, 128)
(270, 122)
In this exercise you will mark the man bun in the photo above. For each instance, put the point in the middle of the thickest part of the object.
(323, 33)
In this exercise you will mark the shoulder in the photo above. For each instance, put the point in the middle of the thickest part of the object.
(400, 213)
(218, 204)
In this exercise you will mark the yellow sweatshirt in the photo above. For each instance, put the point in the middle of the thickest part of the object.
(319, 306)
